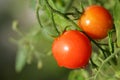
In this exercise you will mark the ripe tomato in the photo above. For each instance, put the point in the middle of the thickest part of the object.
(96, 21)
(72, 49)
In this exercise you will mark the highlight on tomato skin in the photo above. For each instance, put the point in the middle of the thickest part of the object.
(96, 21)
(72, 49)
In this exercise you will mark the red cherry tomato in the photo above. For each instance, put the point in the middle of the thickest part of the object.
(96, 21)
(72, 49)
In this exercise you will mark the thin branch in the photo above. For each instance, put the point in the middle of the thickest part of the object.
(104, 44)
(93, 64)
(110, 42)
(61, 14)
(103, 50)
(69, 13)
(54, 23)
(105, 61)
(37, 14)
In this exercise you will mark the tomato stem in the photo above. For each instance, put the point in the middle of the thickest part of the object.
(103, 44)
(54, 24)
(103, 50)
(69, 13)
(60, 13)
(76, 14)
(110, 42)
(111, 46)
(37, 14)
(93, 64)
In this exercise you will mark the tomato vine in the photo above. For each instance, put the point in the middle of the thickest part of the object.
(106, 50)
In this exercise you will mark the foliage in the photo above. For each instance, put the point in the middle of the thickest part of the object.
(55, 16)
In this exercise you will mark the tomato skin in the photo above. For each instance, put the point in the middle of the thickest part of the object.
(72, 49)
(96, 21)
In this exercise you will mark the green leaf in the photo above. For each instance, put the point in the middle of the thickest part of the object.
(116, 15)
(80, 74)
(21, 58)
(61, 22)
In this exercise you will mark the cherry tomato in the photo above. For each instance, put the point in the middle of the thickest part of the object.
(72, 49)
(96, 21)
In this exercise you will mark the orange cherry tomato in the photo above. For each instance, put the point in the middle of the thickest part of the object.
(72, 49)
(96, 21)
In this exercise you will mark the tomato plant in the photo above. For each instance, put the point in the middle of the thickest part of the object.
(96, 21)
(72, 49)
(64, 25)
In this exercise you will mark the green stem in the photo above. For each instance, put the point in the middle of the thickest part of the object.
(103, 51)
(69, 13)
(110, 43)
(104, 44)
(105, 61)
(61, 14)
(111, 47)
(80, 12)
(37, 14)
(93, 64)
(54, 24)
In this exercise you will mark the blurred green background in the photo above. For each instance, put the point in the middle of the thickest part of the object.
(19, 10)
